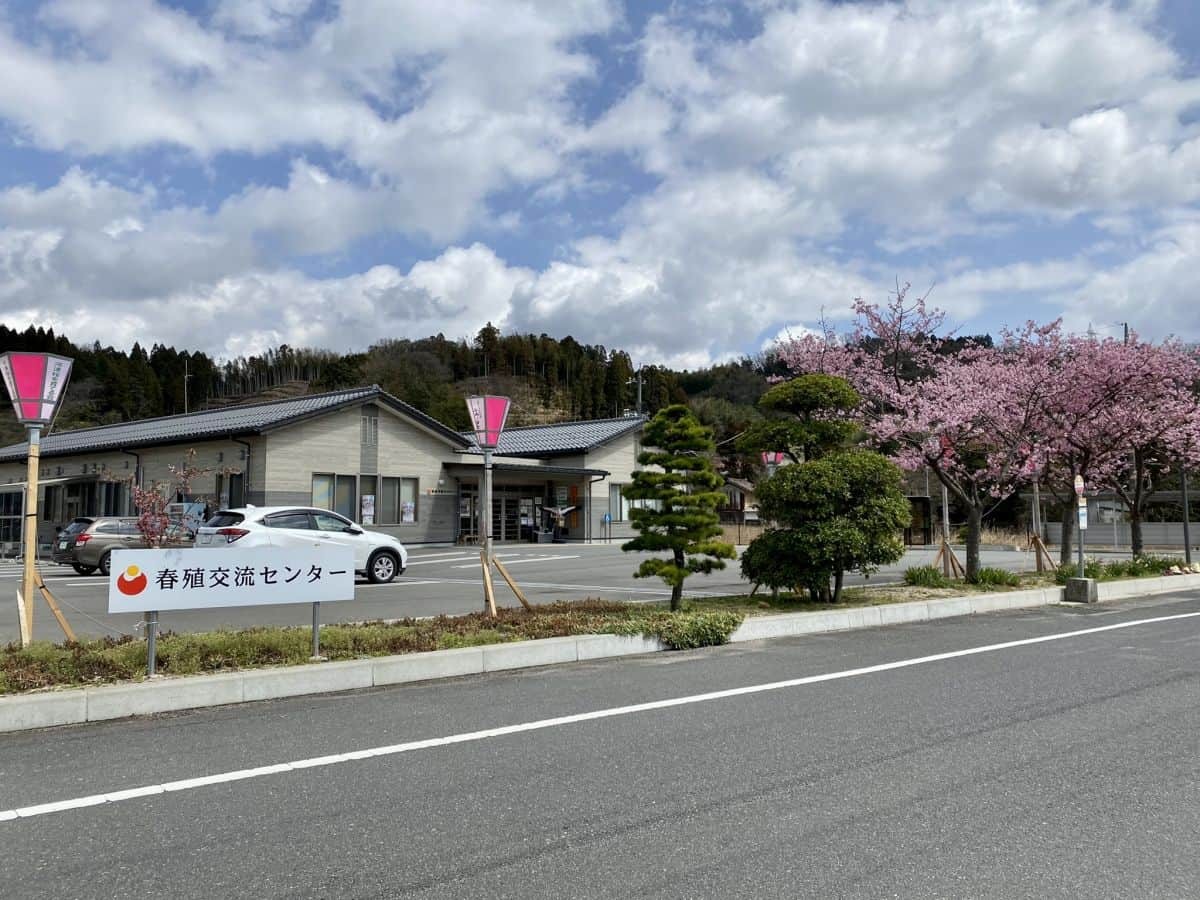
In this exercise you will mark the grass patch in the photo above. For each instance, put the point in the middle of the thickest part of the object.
(925, 576)
(44, 665)
(990, 577)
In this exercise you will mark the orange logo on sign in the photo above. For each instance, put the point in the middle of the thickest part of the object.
(132, 581)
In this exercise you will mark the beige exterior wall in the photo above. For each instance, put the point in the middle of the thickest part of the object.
(326, 444)
(619, 458)
(280, 467)
(408, 451)
(331, 444)
(216, 456)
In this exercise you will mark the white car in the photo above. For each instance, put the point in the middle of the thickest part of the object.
(380, 557)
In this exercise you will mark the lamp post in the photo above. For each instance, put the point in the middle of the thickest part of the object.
(488, 414)
(771, 459)
(36, 383)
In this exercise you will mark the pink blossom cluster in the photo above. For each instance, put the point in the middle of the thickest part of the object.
(1038, 405)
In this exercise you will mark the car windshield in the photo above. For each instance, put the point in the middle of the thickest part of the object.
(224, 519)
(76, 526)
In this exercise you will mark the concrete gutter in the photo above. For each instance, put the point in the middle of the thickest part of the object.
(73, 706)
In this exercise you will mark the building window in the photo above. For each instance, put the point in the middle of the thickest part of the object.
(397, 503)
(52, 503)
(368, 499)
(11, 503)
(618, 506)
(322, 491)
(370, 429)
(231, 490)
(336, 492)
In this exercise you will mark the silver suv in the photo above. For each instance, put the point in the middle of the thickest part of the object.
(86, 544)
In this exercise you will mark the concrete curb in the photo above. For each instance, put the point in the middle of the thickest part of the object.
(116, 701)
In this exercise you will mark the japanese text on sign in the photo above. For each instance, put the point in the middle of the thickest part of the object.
(189, 578)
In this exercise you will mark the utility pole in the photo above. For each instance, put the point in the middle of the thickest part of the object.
(186, 376)
(638, 382)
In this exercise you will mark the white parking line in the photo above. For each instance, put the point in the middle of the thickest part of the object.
(426, 562)
(184, 784)
(399, 582)
(516, 561)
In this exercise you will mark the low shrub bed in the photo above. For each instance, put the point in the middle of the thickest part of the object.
(104, 660)
(1146, 566)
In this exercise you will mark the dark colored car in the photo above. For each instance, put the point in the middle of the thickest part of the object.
(86, 544)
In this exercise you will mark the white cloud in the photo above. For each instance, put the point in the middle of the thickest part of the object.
(1154, 291)
(441, 104)
(779, 175)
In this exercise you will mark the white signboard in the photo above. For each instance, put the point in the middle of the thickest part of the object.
(191, 578)
(1083, 516)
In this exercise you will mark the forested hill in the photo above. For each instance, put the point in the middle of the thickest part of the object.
(549, 379)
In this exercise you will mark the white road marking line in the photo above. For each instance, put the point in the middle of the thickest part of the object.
(421, 557)
(399, 582)
(41, 809)
(515, 561)
(423, 562)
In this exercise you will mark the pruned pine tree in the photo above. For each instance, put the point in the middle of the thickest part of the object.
(679, 497)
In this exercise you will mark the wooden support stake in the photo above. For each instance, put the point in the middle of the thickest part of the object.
(26, 638)
(58, 614)
(489, 591)
(512, 584)
(949, 562)
(1042, 555)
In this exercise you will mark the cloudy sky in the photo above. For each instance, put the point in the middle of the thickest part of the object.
(681, 179)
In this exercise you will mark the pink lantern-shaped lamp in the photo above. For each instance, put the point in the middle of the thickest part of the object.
(36, 383)
(771, 459)
(488, 415)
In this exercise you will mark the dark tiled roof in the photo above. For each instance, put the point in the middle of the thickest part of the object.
(250, 419)
(561, 439)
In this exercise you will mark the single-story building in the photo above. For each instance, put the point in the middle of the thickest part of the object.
(741, 502)
(361, 452)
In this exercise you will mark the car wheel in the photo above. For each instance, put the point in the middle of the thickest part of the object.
(105, 561)
(83, 570)
(382, 567)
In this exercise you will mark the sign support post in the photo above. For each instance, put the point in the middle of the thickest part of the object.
(1081, 502)
(316, 632)
(151, 620)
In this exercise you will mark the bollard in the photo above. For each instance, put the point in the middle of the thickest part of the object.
(316, 631)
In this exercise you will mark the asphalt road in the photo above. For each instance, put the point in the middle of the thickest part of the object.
(439, 580)
(1065, 767)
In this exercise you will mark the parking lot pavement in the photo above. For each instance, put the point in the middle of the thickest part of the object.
(439, 580)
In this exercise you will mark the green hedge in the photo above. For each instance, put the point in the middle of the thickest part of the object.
(104, 660)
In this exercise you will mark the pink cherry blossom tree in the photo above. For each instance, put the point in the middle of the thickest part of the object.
(1154, 417)
(1111, 414)
(966, 415)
